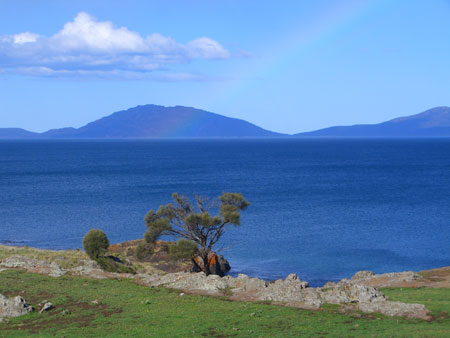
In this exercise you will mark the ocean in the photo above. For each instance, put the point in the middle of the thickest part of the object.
(322, 208)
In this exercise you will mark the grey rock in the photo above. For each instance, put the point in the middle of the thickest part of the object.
(291, 290)
(351, 292)
(224, 265)
(47, 307)
(13, 307)
(191, 281)
(361, 275)
(389, 308)
(244, 283)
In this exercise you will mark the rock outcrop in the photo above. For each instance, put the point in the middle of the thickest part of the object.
(360, 291)
(13, 307)
(291, 291)
(387, 279)
(33, 265)
(87, 268)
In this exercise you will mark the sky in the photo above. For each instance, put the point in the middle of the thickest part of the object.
(287, 66)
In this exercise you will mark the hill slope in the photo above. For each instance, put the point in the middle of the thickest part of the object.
(11, 133)
(152, 121)
(434, 122)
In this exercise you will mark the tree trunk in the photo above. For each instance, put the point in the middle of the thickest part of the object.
(206, 264)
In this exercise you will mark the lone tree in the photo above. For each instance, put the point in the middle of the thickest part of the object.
(195, 222)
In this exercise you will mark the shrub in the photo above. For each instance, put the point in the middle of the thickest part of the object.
(142, 251)
(95, 243)
(183, 249)
(110, 264)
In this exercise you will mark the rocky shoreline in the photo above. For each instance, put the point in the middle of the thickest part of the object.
(361, 292)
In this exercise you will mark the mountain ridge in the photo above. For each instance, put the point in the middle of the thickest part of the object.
(155, 121)
(434, 122)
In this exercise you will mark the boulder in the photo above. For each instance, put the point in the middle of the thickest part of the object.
(217, 264)
(47, 307)
(13, 307)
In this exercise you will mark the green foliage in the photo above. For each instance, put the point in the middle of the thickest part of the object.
(182, 249)
(95, 243)
(125, 309)
(231, 204)
(143, 250)
(157, 224)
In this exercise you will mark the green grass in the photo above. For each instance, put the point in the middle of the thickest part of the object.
(125, 309)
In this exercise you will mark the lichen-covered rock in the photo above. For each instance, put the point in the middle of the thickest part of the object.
(389, 308)
(351, 292)
(211, 284)
(244, 283)
(362, 275)
(291, 289)
(217, 264)
(13, 307)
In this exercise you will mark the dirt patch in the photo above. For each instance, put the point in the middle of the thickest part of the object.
(213, 333)
(37, 325)
(80, 314)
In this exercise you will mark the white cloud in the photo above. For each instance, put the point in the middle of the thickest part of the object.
(87, 47)
(25, 38)
(206, 48)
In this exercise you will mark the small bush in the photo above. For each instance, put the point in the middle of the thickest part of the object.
(183, 249)
(142, 251)
(95, 243)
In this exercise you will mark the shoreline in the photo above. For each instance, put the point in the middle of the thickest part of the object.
(362, 292)
(434, 273)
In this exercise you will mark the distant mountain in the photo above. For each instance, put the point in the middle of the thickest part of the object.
(7, 133)
(431, 123)
(152, 121)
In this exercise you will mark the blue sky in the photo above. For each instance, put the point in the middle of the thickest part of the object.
(288, 66)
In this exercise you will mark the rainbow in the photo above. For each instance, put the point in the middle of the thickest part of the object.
(336, 18)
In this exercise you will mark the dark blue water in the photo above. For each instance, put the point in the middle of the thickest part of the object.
(321, 208)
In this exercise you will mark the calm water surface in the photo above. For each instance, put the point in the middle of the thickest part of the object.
(321, 208)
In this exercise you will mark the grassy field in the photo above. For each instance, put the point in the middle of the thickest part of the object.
(120, 308)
